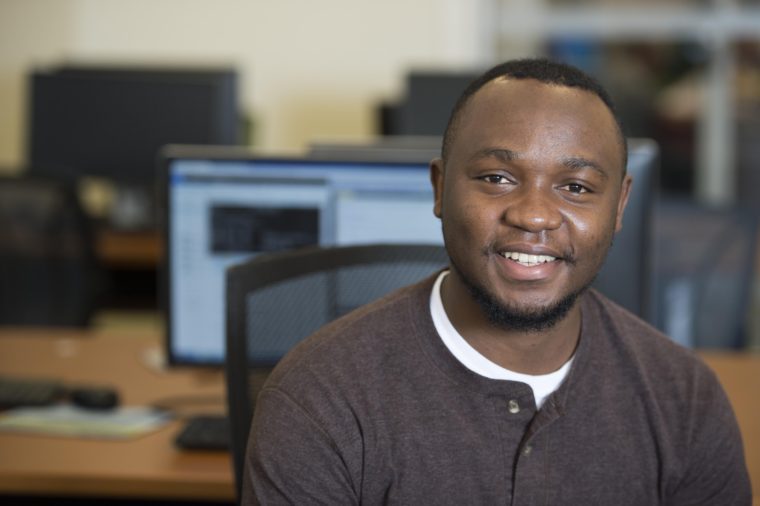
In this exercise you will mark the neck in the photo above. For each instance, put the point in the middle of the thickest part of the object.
(527, 352)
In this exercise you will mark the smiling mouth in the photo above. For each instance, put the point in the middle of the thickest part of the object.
(528, 260)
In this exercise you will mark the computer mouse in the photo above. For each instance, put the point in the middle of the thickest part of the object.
(96, 398)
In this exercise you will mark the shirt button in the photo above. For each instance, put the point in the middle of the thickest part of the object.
(514, 407)
(526, 451)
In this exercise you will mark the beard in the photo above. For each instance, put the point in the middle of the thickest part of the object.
(509, 318)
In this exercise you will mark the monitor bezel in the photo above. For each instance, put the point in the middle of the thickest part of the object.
(175, 152)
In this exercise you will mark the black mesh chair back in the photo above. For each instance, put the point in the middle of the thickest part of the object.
(704, 266)
(48, 272)
(275, 300)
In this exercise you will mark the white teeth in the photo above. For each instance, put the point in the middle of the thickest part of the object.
(529, 260)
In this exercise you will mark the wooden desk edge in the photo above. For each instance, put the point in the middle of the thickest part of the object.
(40, 485)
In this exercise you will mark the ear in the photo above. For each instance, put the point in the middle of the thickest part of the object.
(625, 191)
(436, 178)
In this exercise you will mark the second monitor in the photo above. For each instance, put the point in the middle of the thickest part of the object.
(225, 205)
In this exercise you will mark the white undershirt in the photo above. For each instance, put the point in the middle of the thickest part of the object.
(542, 385)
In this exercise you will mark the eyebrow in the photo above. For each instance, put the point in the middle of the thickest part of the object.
(507, 155)
(501, 154)
(578, 163)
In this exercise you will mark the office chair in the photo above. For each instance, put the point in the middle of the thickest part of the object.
(48, 272)
(704, 269)
(275, 300)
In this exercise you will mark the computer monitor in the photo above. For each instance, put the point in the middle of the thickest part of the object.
(226, 205)
(627, 276)
(394, 148)
(429, 98)
(110, 122)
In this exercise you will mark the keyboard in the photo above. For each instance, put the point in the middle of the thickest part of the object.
(205, 432)
(16, 392)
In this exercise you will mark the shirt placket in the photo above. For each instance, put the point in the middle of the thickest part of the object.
(514, 408)
(530, 487)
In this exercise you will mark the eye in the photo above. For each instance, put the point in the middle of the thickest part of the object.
(495, 179)
(575, 188)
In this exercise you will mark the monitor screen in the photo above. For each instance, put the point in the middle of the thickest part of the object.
(222, 208)
(110, 122)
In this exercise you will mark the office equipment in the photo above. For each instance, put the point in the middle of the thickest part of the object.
(24, 391)
(110, 122)
(226, 205)
(205, 432)
(94, 398)
(424, 109)
(95, 470)
(627, 276)
(316, 284)
(20, 391)
(389, 148)
(48, 271)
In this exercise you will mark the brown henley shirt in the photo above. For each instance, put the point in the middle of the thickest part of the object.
(374, 409)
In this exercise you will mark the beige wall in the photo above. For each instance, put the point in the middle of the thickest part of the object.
(310, 69)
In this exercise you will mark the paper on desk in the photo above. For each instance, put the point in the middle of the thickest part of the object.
(67, 420)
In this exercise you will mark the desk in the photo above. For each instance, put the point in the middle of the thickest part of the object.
(739, 374)
(129, 250)
(148, 467)
(130, 262)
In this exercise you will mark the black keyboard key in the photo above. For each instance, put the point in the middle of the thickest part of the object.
(17, 392)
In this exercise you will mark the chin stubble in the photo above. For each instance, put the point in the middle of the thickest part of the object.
(522, 320)
(516, 319)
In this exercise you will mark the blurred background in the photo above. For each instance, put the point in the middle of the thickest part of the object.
(90, 91)
(684, 73)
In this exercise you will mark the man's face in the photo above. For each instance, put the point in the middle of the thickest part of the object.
(531, 194)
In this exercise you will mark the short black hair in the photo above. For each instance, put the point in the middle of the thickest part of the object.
(539, 69)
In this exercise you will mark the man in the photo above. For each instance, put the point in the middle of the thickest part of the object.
(505, 379)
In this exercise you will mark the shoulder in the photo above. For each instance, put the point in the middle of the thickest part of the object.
(640, 347)
(682, 398)
(670, 382)
(333, 383)
(665, 389)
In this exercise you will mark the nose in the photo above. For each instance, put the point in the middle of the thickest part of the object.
(533, 210)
